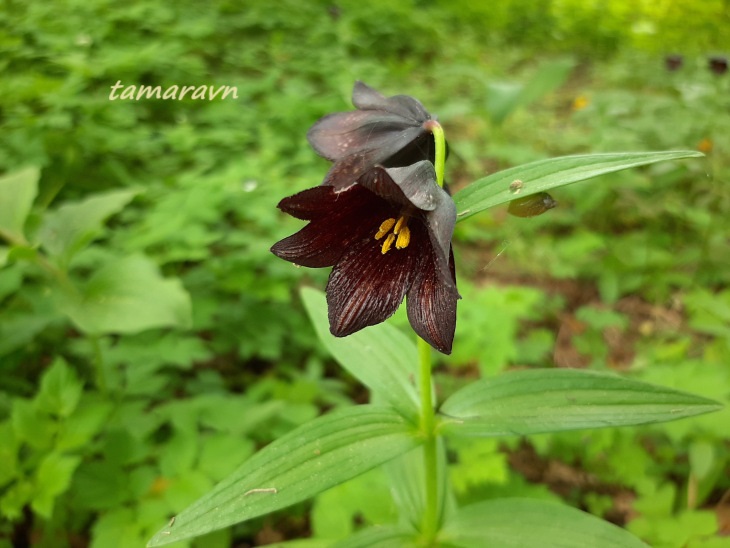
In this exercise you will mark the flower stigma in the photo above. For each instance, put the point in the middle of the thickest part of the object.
(401, 234)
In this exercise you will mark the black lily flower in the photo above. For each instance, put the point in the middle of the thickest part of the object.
(388, 237)
(385, 131)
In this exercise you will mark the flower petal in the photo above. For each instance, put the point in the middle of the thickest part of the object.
(338, 220)
(366, 98)
(366, 286)
(441, 222)
(309, 204)
(344, 133)
(431, 304)
(418, 184)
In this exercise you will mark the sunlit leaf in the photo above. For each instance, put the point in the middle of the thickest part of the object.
(520, 181)
(17, 192)
(53, 477)
(71, 227)
(60, 389)
(126, 296)
(381, 357)
(314, 457)
(529, 402)
(516, 523)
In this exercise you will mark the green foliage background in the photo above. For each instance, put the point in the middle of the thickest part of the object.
(113, 419)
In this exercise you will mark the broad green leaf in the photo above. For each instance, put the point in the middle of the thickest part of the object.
(71, 227)
(17, 192)
(60, 389)
(516, 523)
(314, 457)
(32, 426)
(530, 402)
(4, 252)
(53, 478)
(381, 357)
(380, 536)
(520, 181)
(128, 295)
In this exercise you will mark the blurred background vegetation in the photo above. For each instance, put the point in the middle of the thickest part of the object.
(115, 416)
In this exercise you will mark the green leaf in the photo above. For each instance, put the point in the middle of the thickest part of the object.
(18, 190)
(314, 457)
(530, 402)
(406, 475)
(379, 536)
(381, 357)
(543, 175)
(516, 522)
(30, 425)
(9, 468)
(53, 478)
(71, 227)
(128, 295)
(60, 389)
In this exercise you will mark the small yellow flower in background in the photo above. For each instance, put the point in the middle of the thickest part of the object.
(580, 102)
(705, 145)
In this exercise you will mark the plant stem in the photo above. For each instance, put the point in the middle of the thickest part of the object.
(429, 526)
(98, 364)
(439, 150)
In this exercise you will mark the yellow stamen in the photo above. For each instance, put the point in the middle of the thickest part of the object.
(404, 237)
(388, 243)
(385, 227)
(401, 222)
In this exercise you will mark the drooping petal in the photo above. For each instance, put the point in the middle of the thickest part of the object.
(345, 133)
(337, 221)
(367, 286)
(309, 204)
(441, 222)
(417, 183)
(384, 130)
(366, 98)
(431, 304)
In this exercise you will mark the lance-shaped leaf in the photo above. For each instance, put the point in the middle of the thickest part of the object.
(314, 457)
(380, 536)
(543, 175)
(531, 402)
(516, 522)
(406, 475)
(381, 357)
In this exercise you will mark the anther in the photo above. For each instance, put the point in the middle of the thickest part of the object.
(404, 237)
(399, 225)
(388, 243)
(385, 227)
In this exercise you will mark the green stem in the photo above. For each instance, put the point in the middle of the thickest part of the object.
(429, 527)
(439, 151)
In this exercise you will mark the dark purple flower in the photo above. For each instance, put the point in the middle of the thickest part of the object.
(387, 237)
(673, 61)
(717, 64)
(385, 131)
